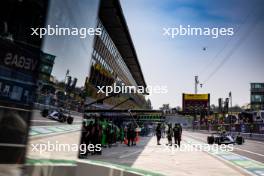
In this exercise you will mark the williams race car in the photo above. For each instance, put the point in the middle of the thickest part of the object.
(57, 115)
(223, 138)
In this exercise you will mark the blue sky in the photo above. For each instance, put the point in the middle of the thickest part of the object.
(175, 62)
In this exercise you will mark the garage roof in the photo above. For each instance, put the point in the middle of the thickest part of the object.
(111, 15)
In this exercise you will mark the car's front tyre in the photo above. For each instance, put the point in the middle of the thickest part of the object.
(239, 140)
(45, 112)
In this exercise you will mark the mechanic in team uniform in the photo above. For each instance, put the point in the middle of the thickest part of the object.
(169, 134)
(83, 137)
(177, 132)
(129, 134)
(133, 135)
(122, 134)
(104, 137)
(96, 135)
(109, 135)
(158, 133)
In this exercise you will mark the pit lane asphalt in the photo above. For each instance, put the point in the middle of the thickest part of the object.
(251, 148)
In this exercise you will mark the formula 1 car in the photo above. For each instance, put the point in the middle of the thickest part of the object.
(57, 115)
(223, 138)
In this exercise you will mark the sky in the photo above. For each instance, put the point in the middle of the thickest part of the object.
(229, 63)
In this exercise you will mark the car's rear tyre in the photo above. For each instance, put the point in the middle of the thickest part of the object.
(239, 140)
(210, 140)
(69, 119)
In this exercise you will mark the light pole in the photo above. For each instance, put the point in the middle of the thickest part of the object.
(196, 82)
(230, 98)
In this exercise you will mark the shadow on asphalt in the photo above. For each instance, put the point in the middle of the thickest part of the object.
(121, 153)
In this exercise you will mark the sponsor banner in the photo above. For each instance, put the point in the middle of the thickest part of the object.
(195, 103)
(196, 97)
(19, 73)
(19, 57)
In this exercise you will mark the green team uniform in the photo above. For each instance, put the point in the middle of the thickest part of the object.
(122, 134)
(104, 125)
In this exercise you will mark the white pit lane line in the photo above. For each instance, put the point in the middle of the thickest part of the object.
(248, 151)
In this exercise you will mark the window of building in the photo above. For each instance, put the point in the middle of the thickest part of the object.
(257, 85)
(257, 98)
